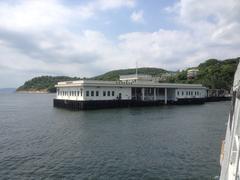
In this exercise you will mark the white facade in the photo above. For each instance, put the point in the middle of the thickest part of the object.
(190, 93)
(133, 77)
(107, 93)
(138, 89)
(93, 93)
(192, 73)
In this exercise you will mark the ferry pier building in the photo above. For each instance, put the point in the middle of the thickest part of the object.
(129, 90)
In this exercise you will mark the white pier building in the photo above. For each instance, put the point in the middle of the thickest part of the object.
(128, 91)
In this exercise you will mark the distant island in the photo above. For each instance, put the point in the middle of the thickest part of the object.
(7, 90)
(213, 73)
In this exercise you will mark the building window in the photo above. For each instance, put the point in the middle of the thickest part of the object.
(112, 93)
(77, 93)
(81, 92)
(120, 96)
(108, 93)
(178, 93)
(87, 93)
(191, 93)
(104, 93)
(92, 93)
(97, 93)
(182, 93)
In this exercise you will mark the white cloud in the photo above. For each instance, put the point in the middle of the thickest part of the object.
(161, 49)
(137, 16)
(113, 4)
(207, 17)
(212, 24)
(47, 14)
(32, 15)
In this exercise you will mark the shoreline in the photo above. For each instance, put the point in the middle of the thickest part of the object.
(33, 92)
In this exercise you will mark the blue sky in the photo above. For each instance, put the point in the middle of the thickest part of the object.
(117, 21)
(89, 37)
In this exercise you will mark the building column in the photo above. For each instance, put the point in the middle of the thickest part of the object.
(165, 99)
(143, 94)
(154, 94)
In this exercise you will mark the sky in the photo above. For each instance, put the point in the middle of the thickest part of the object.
(85, 38)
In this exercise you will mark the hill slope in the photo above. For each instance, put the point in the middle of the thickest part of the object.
(114, 75)
(212, 74)
(44, 83)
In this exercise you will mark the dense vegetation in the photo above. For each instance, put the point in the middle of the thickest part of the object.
(114, 75)
(212, 73)
(44, 83)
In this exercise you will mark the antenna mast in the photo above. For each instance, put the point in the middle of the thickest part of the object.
(136, 69)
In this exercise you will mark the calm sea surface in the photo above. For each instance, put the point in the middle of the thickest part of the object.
(38, 141)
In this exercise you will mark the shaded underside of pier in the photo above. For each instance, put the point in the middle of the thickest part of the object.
(85, 105)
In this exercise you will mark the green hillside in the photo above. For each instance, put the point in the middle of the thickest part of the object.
(114, 75)
(44, 83)
(213, 74)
